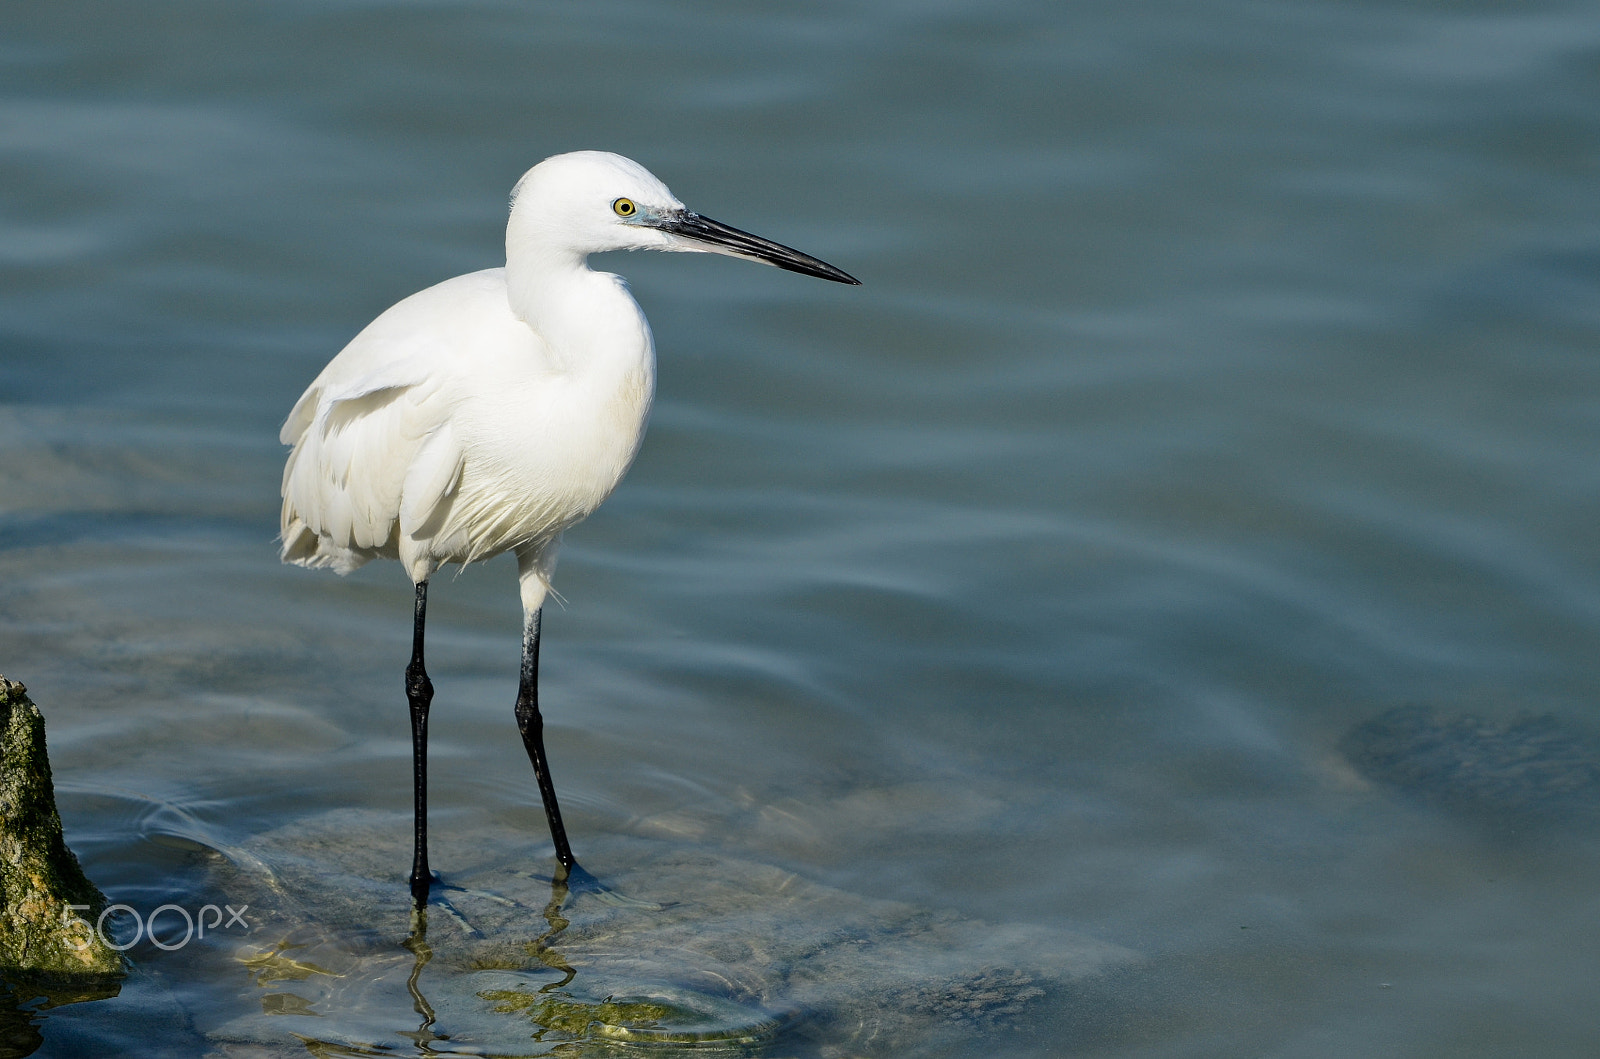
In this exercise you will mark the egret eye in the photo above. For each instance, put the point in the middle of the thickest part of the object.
(624, 208)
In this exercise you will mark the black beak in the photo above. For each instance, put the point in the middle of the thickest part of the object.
(721, 239)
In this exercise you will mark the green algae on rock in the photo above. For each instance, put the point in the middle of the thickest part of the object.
(41, 938)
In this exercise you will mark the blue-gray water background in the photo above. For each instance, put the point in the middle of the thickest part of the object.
(1224, 376)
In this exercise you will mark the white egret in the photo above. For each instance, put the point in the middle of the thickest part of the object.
(495, 410)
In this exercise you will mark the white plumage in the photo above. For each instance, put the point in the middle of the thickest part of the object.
(452, 429)
(493, 411)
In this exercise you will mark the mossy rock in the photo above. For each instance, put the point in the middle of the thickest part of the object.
(40, 944)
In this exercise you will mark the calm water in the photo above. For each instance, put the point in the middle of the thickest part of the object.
(1224, 378)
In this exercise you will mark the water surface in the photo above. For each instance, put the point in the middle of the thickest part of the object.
(1223, 380)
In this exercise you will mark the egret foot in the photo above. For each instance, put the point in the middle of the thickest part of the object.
(576, 881)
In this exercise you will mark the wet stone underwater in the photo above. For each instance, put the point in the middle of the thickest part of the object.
(732, 956)
(690, 949)
(687, 949)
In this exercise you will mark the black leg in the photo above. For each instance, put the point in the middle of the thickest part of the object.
(531, 725)
(419, 692)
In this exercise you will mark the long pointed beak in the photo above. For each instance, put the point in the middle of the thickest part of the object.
(719, 238)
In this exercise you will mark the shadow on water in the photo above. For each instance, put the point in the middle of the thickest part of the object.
(23, 1001)
(19, 1032)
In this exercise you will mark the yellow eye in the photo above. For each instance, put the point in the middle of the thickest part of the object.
(624, 208)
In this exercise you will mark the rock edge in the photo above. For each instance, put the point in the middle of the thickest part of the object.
(39, 876)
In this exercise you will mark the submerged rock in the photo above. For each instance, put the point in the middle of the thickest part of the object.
(702, 950)
(41, 939)
(1534, 766)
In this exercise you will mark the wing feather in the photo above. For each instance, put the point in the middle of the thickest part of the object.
(430, 484)
(381, 439)
(345, 481)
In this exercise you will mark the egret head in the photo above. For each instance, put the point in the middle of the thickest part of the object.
(573, 205)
